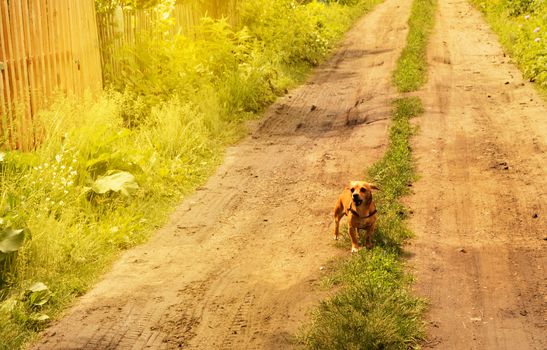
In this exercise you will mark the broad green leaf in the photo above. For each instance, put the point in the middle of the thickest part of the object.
(37, 287)
(39, 317)
(11, 240)
(38, 294)
(122, 182)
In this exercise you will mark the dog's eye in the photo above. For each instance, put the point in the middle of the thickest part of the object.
(363, 189)
(352, 190)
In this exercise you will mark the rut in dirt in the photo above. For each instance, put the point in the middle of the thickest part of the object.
(479, 205)
(237, 265)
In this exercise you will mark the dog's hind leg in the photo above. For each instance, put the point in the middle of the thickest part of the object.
(338, 214)
(336, 226)
(368, 236)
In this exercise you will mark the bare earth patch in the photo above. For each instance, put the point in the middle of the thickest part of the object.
(237, 265)
(479, 205)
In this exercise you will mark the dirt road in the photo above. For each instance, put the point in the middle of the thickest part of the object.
(479, 208)
(237, 264)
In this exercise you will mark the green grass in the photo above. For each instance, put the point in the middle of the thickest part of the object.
(375, 308)
(521, 26)
(411, 71)
(166, 121)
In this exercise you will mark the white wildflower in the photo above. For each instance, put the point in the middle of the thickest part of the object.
(58, 158)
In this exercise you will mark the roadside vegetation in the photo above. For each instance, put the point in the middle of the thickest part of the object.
(375, 308)
(521, 26)
(112, 167)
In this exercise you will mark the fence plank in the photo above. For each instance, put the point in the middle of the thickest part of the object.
(20, 53)
(5, 93)
(9, 73)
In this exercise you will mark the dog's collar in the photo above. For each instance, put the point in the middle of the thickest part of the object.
(357, 214)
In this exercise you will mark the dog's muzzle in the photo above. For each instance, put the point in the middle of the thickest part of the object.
(357, 200)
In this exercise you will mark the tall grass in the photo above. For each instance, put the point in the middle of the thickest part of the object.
(521, 26)
(113, 166)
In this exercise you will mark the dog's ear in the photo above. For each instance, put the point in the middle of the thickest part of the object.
(373, 186)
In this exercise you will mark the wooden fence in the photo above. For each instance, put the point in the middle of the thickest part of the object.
(46, 47)
(63, 46)
(123, 28)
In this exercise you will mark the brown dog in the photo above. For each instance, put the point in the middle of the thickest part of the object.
(356, 202)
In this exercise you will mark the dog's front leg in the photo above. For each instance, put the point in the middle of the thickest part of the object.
(354, 239)
(368, 235)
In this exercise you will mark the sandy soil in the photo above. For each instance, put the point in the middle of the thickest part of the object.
(237, 265)
(479, 206)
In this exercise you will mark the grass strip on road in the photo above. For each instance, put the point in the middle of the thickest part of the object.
(375, 309)
(411, 71)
